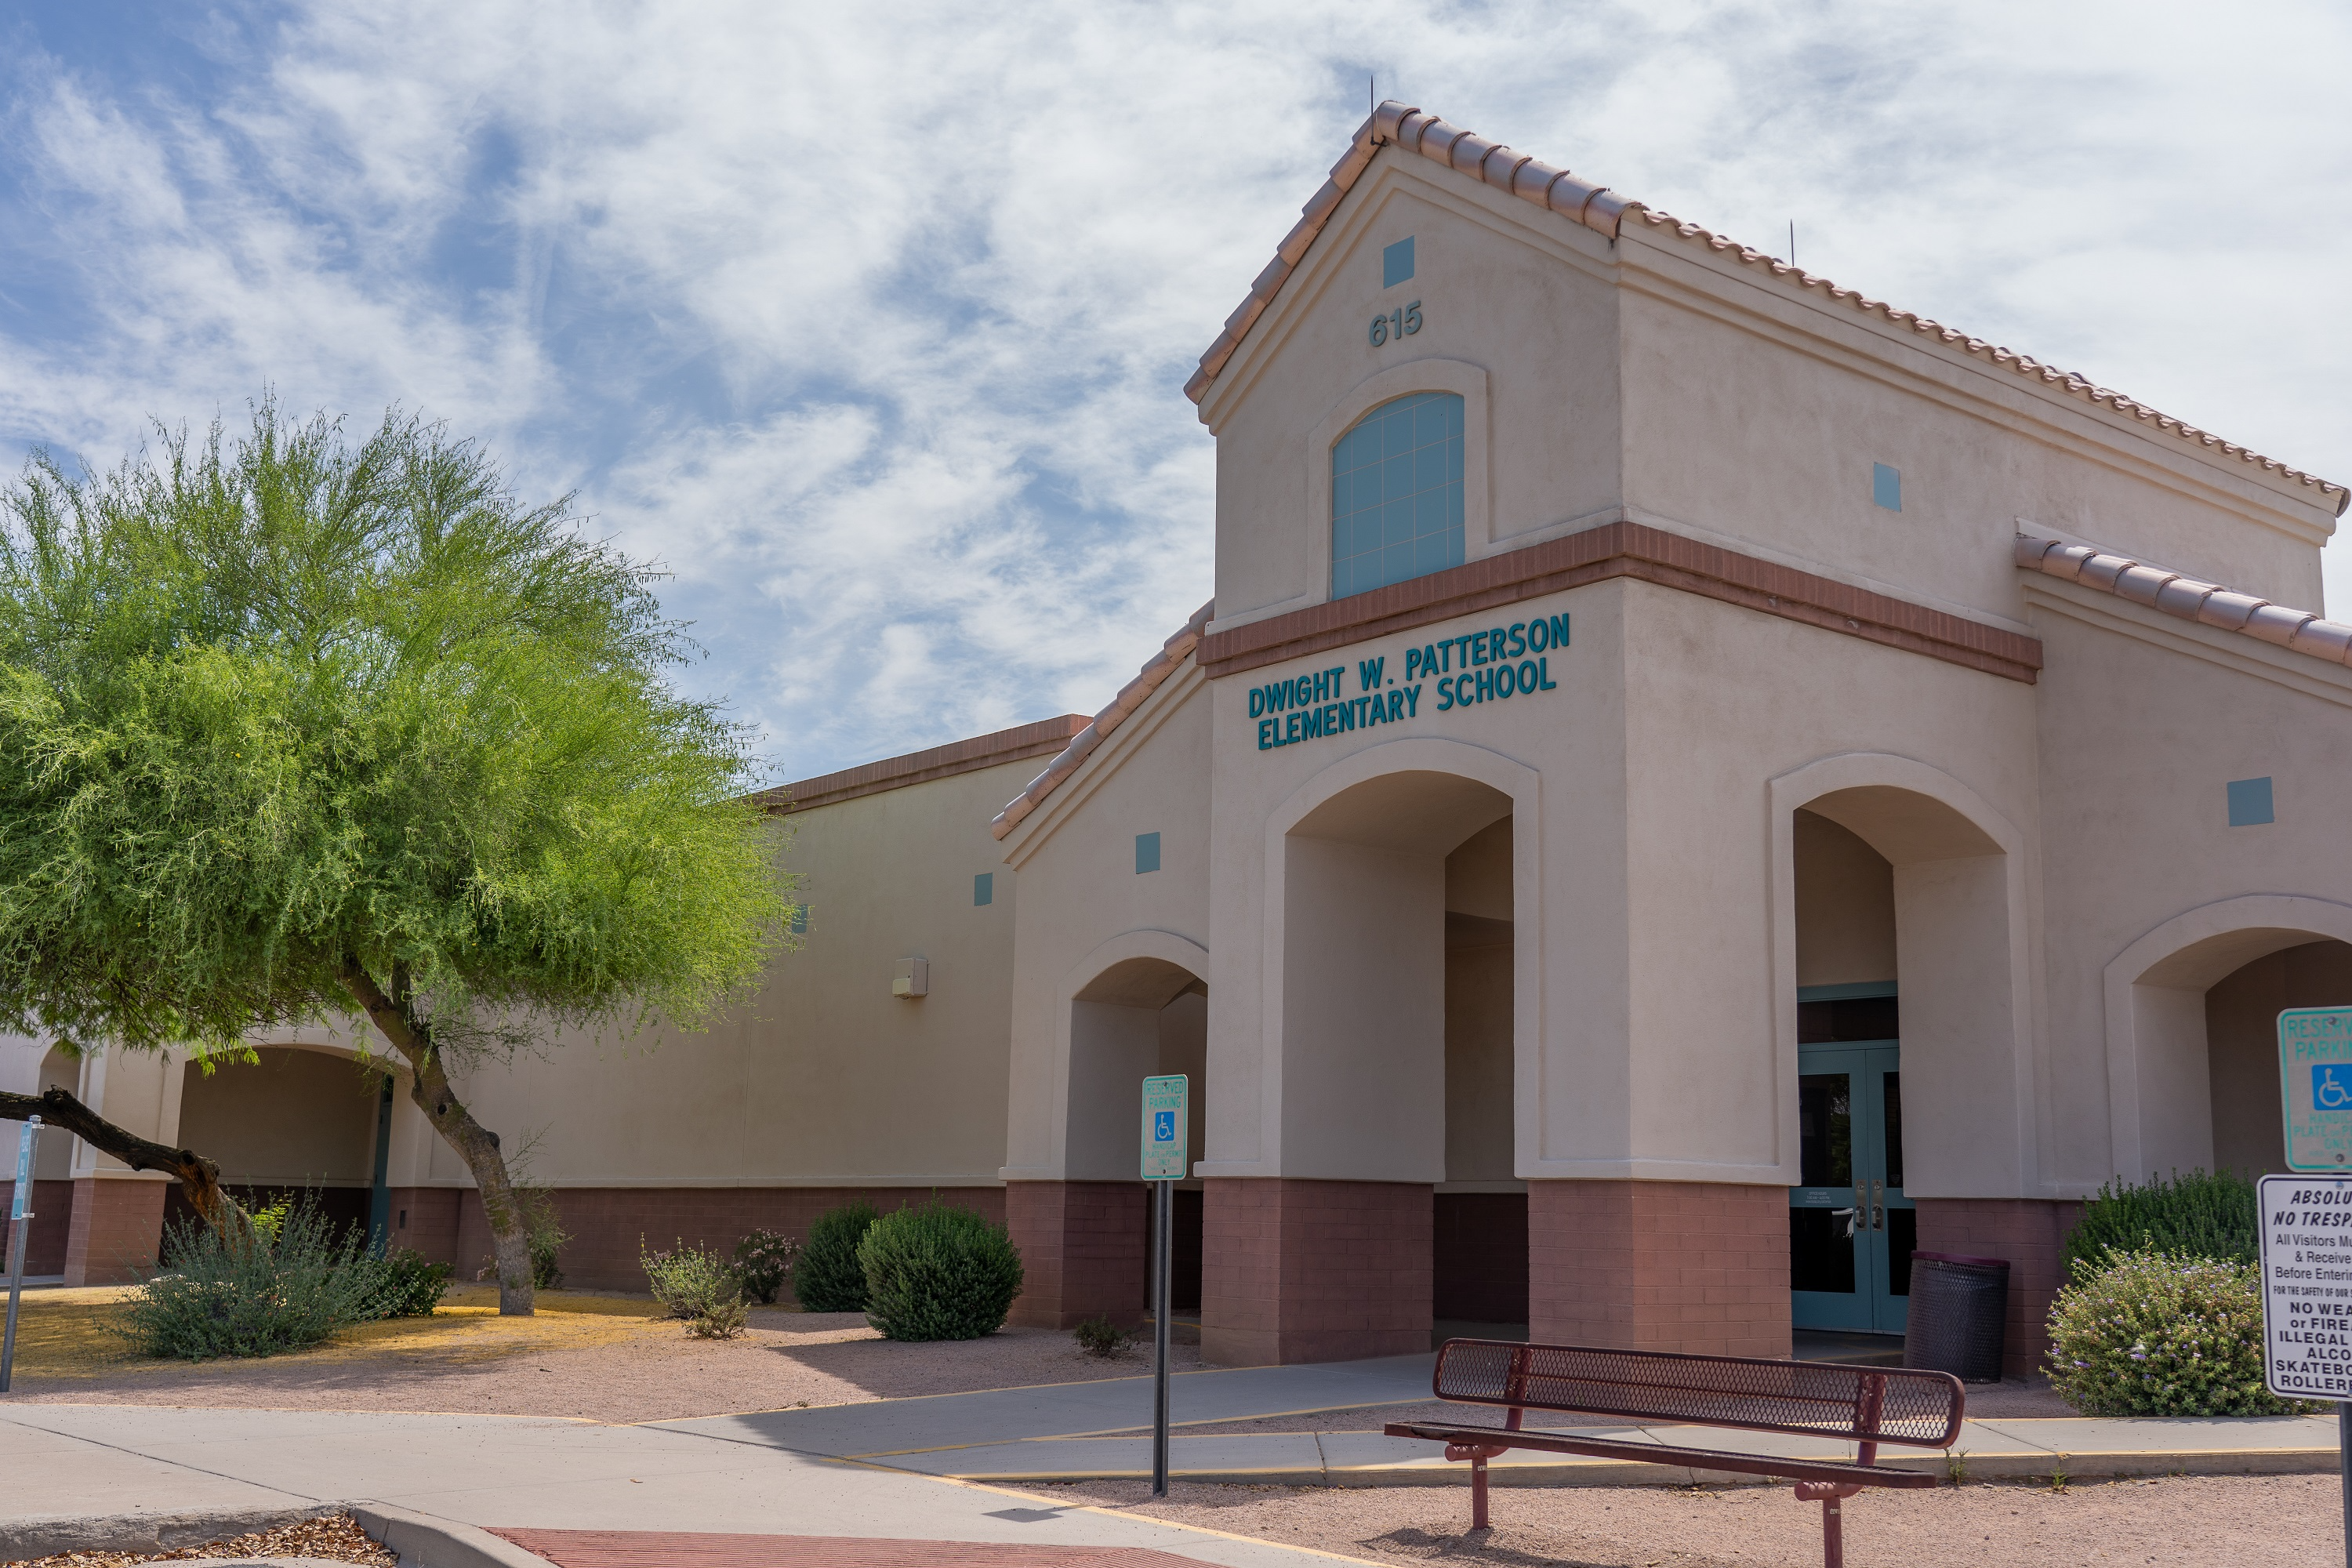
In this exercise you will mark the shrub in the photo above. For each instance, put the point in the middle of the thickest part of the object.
(544, 1236)
(938, 1273)
(763, 1261)
(698, 1285)
(413, 1287)
(1100, 1337)
(2161, 1333)
(827, 1278)
(279, 1289)
(2198, 1215)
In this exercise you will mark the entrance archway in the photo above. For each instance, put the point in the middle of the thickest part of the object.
(299, 1120)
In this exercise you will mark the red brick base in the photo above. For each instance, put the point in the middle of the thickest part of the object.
(1659, 1266)
(116, 1227)
(1300, 1270)
(44, 1247)
(2029, 1232)
(1082, 1251)
(608, 1224)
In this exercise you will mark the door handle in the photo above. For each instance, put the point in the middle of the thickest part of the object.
(1877, 1204)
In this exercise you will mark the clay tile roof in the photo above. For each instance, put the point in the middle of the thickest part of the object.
(1598, 208)
(2191, 599)
(1154, 673)
(921, 767)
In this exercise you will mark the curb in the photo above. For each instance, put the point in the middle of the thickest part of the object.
(421, 1541)
(2009, 1467)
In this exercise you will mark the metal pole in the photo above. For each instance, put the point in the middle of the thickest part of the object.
(2344, 1469)
(20, 1218)
(1164, 1203)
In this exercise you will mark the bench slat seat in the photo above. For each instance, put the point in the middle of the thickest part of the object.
(1779, 1467)
(1864, 1406)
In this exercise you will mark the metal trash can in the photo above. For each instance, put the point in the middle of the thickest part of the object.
(1960, 1315)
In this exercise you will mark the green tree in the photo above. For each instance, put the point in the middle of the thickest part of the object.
(296, 726)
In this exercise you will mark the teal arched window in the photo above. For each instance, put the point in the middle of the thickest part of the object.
(1396, 493)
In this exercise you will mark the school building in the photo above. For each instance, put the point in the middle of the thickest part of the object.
(1692, 784)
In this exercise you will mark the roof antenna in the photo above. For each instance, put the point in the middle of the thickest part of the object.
(1792, 242)
(1371, 93)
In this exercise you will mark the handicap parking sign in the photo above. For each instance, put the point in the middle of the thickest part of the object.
(2315, 1085)
(1165, 1158)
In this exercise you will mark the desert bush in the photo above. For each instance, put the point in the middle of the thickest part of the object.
(827, 1277)
(2161, 1333)
(270, 1291)
(698, 1286)
(1098, 1336)
(2199, 1215)
(938, 1273)
(544, 1236)
(763, 1261)
(413, 1287)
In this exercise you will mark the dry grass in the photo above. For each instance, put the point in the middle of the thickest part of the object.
(73, 1333)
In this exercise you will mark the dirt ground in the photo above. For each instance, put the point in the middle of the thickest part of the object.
(592, 1356)
(2196, 1521)
(334, 1539)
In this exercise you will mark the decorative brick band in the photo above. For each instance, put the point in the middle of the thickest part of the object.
(1042, 739)
(1082, 1251)
(1626, 550)
(1659, 1266)
(1298, 1270)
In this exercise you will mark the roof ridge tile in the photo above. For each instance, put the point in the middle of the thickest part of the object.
(2188, 598)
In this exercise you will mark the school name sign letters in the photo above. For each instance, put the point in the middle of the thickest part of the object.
(1465, 671)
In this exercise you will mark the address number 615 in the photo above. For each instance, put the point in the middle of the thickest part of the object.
(1398, 323)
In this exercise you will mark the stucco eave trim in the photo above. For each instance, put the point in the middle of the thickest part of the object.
(1054, 806)
(1626, 550)
(2233, 651)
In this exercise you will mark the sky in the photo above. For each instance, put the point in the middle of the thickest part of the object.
(871, 323)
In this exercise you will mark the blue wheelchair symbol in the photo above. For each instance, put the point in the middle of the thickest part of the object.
(2330, 1092)
(1163, 1127)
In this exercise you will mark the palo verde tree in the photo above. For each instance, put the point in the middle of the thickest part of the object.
(299, 726)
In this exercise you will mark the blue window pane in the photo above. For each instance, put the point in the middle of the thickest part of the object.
(1396, 493)
(983, 888)
(1886, 487)
(1396, 263)
(2250, 803)
(1147, 853)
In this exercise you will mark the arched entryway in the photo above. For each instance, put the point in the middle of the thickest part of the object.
(296, 1120)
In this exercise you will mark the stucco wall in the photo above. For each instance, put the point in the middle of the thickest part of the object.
(1845, 906)
(294, 1117)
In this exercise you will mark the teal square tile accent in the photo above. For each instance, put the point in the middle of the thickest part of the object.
(1147, 853)
(2250, 803)
(799, 919)
(1396, 263)
(1886, 487)
(983, 888)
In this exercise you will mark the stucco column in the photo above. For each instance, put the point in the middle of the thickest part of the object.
(1082, 1251)
(1300, 1270)
(1659, 1266)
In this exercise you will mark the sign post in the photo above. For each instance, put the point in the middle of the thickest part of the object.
(2307, 1228)
(1166, 1161)
(20, 1220)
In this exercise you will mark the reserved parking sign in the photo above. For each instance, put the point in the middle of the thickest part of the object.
(2315, 1086)
(1165, 1157)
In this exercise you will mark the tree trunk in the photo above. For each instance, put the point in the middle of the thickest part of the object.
(197, 1176)
(396, 1017)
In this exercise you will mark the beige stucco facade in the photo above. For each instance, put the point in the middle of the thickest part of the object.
(1794, 657)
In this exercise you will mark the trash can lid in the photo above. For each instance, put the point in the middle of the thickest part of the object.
(1955, 1258)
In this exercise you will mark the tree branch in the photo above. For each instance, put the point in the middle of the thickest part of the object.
(198, 1176)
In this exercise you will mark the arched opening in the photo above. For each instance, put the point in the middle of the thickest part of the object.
(293, 1121)
(2192, 1030)
(46, 1242)
(1399, 959)
(1140, 1018)
(1905, 1002)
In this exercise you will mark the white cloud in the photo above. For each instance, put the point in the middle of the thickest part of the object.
(872, 322)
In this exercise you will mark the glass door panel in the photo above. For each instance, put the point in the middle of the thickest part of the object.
(1850, 1229)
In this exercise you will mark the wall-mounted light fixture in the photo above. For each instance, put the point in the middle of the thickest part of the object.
(912, 977)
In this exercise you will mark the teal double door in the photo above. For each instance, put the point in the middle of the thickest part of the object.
(1850, 1229)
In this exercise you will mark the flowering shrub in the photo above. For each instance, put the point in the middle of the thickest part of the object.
(698, 1286)
(2149, 1332)
(765, 1260)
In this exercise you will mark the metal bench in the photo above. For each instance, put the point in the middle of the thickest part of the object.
(1862, 1404)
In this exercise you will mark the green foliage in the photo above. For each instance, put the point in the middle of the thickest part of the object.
(270, 1221)
(2198, 1215)
(547, 1236)
(2161, 1333)
(275, 709)
(258, 1295)
(413, 1287)
(828, 1278)
(938, 1273)
(763, 1261)
(698, 1286)
(1098, 1336)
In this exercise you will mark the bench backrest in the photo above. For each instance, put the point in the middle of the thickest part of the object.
(1863, 1403)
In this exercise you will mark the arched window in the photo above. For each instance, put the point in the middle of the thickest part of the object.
(1396, 493)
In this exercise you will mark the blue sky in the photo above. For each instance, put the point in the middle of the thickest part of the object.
(871, 322)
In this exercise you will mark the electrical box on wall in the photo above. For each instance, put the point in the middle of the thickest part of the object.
(912, 977)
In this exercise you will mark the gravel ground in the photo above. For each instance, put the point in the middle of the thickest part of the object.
(2197, 1522)
(655, 1373)
(334, 1539)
